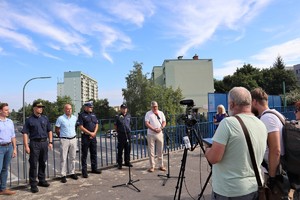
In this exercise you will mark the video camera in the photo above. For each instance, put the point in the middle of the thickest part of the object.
(189, 117)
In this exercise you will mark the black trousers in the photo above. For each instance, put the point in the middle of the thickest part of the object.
(38, 154)
(123, 143)
(86, 144)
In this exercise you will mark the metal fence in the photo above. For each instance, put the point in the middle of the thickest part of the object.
(107, 146)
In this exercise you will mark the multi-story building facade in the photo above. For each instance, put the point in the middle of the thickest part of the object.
(79, 86)
(193, 76)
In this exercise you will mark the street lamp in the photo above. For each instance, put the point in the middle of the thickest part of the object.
(43, 77)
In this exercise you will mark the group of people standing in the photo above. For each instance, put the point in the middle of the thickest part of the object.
(38, 138)
(233, 176)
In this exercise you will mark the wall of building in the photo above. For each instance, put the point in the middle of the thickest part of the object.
(193, 76)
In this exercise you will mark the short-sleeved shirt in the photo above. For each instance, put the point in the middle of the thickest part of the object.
(7, 131)
(154, 121)
(88, 120)
(37, 127)
(123, 123)
(273, 123)
(66, 125)
(234, 175)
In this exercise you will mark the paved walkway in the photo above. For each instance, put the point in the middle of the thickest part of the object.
(149, 184)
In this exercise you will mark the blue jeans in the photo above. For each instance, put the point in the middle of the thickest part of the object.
(5, 157)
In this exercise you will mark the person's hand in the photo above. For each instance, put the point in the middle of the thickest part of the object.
(14, 153)
(157, 130)
(27, 150)
(50, 146)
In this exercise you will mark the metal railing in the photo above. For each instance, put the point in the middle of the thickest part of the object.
(107, 147)
(106, 152)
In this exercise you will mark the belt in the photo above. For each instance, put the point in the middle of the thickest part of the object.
(5, 144)
(39, 139)
(68, 138)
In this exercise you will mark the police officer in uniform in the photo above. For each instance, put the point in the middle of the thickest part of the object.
(88, 124)
(122, 126)
(38, 129)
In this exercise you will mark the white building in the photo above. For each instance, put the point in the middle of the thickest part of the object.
(79, 86)
(193, 76)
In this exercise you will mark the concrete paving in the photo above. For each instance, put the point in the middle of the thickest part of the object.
(150, 184)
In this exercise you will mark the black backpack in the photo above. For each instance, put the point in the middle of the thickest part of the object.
(291, 142)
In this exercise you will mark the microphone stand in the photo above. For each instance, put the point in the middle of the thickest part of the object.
(168, 156)
(130, 181)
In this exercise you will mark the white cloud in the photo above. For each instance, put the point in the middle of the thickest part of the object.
(19, 40)
(92, 25)
(130, 11)
(228, 68)
(289, 51)
(195, 22)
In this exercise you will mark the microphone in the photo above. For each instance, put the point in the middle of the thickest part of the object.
(157, 116)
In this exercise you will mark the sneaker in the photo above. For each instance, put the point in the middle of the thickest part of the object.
(7, 192)
(34, 189)
(43, 184)
(63, 179)
(128, 164)
(74, 176)
(119, 166)
(151, 169)
(162, 169)
(96, 171)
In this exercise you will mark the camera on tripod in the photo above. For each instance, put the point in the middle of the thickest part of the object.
(189, 117)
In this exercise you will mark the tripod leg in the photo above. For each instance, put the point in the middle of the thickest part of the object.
(206, 182)
(181, 174)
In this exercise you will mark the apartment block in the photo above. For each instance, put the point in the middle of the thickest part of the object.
(79, 86)
(193, 76)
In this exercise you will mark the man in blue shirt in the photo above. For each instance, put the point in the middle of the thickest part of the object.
(65, 129)
(38, 129)
(122, 126)
(88, 124)
(7, 147)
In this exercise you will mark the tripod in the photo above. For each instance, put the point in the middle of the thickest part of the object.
(168, 155)
(181, 174)
(130, 181)
(183, 163)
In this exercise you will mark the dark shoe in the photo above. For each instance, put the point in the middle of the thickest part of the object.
(43, 184)
(34, 189)
(85, 175)
(128, 164)
(63, 179)
(96, 171)
(119, 166)
(74, 176)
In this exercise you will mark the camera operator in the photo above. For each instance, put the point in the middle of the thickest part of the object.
(155, 121)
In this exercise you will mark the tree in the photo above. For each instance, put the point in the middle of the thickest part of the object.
(141, 91)
(103, 110)
(246, 76)
(275, 76)
(271, 80)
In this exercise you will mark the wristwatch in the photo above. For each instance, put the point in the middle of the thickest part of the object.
(50, 142)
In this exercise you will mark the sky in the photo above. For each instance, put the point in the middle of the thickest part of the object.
(104, 38)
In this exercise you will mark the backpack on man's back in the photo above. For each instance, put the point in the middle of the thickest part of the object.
(291, 143)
